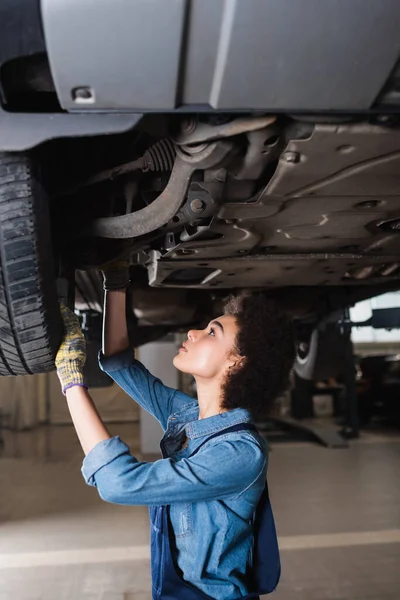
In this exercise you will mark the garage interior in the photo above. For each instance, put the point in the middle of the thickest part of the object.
(337, 509)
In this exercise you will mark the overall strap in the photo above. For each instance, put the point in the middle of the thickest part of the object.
(237, 427)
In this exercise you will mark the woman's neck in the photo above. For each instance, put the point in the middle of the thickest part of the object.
(209, 398)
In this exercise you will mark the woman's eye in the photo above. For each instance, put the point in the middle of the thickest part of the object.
(211, 332)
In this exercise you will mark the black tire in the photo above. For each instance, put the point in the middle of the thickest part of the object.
(323, 354)
(30, 321)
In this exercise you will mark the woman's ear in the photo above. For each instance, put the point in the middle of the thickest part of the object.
(237, 362)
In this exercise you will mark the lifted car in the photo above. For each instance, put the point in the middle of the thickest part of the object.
(218, 145)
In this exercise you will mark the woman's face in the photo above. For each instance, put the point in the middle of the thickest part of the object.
(208, 352)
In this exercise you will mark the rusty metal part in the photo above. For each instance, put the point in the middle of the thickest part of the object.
(197, 205)
(159, 157)
(163, 208)
(205, 132)
(134, 165)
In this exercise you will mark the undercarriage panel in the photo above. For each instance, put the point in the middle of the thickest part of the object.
(221, 55)
(330, 215)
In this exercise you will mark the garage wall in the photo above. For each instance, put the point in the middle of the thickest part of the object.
(21, 400)
(27, 401)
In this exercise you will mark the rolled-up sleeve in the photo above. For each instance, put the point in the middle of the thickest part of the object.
(221, 470)
(146, 389)
(103, 454)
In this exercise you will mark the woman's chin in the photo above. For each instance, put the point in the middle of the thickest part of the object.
(179, 363)
(176, 361)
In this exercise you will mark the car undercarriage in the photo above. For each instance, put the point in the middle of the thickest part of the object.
(254, 201)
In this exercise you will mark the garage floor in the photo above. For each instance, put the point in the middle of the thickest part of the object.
(337, 512)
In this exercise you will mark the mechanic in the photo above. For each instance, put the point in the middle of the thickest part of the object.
(212, 530)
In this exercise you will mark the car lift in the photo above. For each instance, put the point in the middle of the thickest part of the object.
(327, 435)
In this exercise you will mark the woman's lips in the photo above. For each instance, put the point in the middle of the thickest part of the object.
(183, 348)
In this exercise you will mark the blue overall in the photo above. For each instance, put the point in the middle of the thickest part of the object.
(166, 581)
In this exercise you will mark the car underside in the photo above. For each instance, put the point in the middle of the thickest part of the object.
(212, 174)
(246, 202)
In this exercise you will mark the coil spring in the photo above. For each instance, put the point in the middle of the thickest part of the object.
(160, 157)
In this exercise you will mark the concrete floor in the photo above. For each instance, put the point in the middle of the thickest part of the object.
(337, 513)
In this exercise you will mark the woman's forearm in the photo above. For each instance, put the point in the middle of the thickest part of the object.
(115, 330)
(87, 421)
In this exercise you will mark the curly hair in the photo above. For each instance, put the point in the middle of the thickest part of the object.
(265, 339)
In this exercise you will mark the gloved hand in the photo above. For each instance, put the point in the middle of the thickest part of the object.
(115, 275)
(71, 355)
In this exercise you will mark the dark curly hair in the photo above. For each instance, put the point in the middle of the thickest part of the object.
(265, 339)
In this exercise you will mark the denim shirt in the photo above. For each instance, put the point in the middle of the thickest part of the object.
(212, 496)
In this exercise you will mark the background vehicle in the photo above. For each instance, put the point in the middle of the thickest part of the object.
(221, 145)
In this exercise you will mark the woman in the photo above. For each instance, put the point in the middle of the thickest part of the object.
(203, 493)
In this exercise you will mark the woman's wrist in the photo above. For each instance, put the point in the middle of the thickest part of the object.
(71, 386)
(76, 390)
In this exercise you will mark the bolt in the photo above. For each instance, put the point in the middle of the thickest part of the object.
(291, 157)
(197, 205)
(82, 94)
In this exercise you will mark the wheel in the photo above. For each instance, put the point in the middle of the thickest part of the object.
(322, 353)
(30, 321)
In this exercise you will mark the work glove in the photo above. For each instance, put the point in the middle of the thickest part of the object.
(71, 355)
(115, 275)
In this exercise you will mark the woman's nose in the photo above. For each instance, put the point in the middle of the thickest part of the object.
(191, 335)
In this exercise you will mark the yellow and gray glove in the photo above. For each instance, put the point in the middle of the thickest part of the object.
(115, 275)
(71, 355)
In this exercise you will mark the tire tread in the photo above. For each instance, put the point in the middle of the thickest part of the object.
(27, 283)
